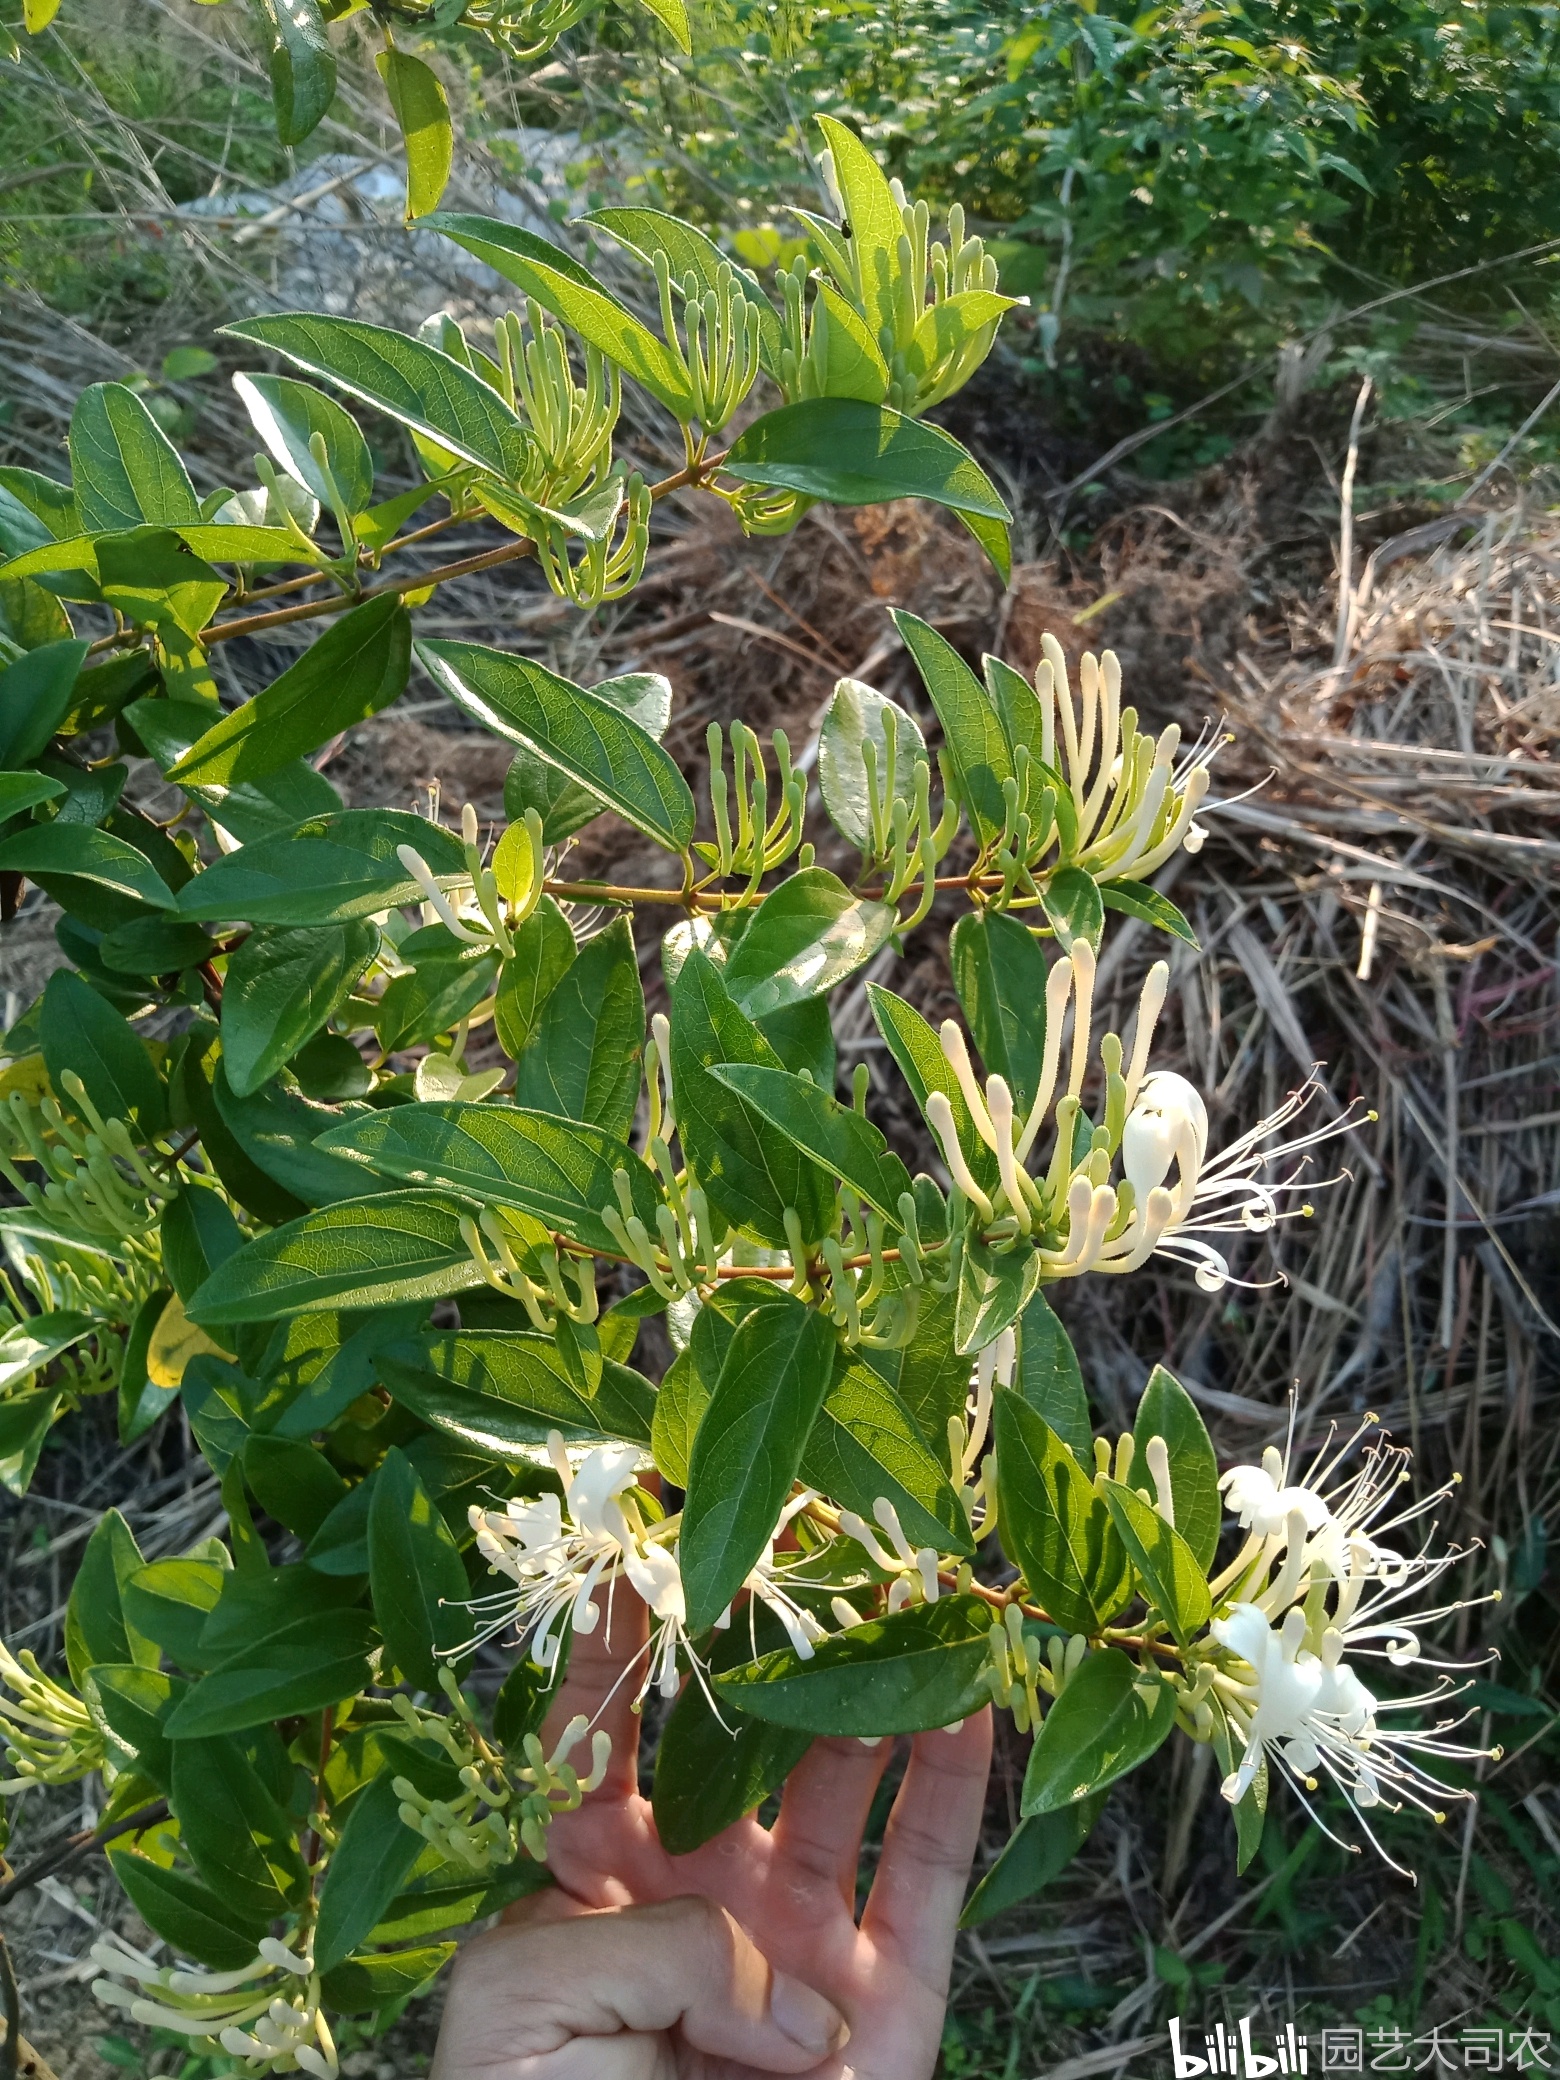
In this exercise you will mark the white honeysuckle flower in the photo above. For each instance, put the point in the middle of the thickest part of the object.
(914, 1568)
(267, 2014)
(1134, 796)
(1172, 1195)
(1301, 1706)
(560, 1552)
(767, 1584)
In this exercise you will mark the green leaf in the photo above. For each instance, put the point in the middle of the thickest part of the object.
(850, 453)
(19, 791)
(842, 349)
(1249, 1812)
(428, 1909)
(748, 1449)
(859, 715)
(330, 869)
(282, 987)
(254, 810)
(673, 17)
(303, 67)
(196, 1921)
(978, 748)
(1054, 1526)
(124, 469)
(1167, 1569)
(924, 1066)
(86, 1036)
(583, 1060)
(921, 1668)
(1072, 903)
(751, 1173)
(932, 1377)
(1137, 899)
(563, 804)
(423, 112)
(356, 668)
(1000, 975)
(292, 1482)
(316, 1661)
(646, 232)
(1051, 1381)
(557, 1169)
(803, 941)
(1037, 1851)
(96, 1629)
(85, 854)
(428, 391)
(502, 1390)
(368, 1867)
(241, 1841)
(135, 1702)
(278, 1129)
(25, 1422)
(35, 697)
(149, 576)
(876, 225)
(837, 1138)
(286, 415)
(168, 1602)
(708, 1774)
(367, 1983)
(35, 1341)
(680, 1402)
(361, 1253)
(566, 289)
(544, 952)
(865, 1444)
(584, 736)
(418, 1581)
(1110, 1718)
(155, 946)
(1167, 1410)
(994, 1289)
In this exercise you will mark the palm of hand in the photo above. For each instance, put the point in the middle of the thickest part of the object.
(792, 1889)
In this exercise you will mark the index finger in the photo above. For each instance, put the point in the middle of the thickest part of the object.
(929, 1847)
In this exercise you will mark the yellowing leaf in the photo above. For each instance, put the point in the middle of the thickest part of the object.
(175, 1340)
(423, 112)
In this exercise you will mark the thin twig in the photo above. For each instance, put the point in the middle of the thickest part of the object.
(78, 1845)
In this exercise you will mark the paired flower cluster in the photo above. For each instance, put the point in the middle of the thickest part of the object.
(1170, 1196)
(267, 2014)
(1312, 1585)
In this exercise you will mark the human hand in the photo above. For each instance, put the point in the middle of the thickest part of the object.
(743, 1958)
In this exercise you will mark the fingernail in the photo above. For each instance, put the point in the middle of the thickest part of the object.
(806, 2017)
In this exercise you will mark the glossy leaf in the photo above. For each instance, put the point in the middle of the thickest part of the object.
(1000, 975)
(168, 1601)
(1050, 1379)
(865, 1444)
(1137, 899)
(924, 1066)
(977, 745)
(287, 415)
(919, 1669)
(711, 1769)
(1054, 1526)
(428, 391)
(96, 1628)
(582, 1061)
(85, 854)
(423, 111)
(282, 987)
(292, 1482)
(803, 941)
(850, 453)
(196, 1921)
(751, 1172)
(330, 869)
(876, 226)
(303, 67)
(416, 1576)
(363, 1253)
(564, 805)
(367, 1869)
(1167, 1568)
(837, 1138)
(544, 952)
(125, 471)
(566, 289)
(646, 232)
(84, 1035)
(1167, 1410)
(1111, 1717)
(427, 1909)
(859, 715)
(501, 1391)
(36, 692)
(589, 739)
(242, 1842)
(994, 1289)
(748, 1449)
(316, 1661)
(1037, 1851)
(356, 668)
(1072, 903)
(557, 1169)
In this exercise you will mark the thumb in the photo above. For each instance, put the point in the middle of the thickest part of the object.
(524, 1992)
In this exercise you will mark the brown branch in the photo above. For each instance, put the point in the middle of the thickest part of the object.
(77, 1845)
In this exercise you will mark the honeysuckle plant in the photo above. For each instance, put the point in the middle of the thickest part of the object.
(346, 1131)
